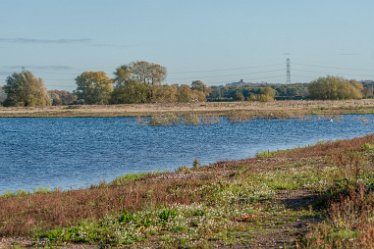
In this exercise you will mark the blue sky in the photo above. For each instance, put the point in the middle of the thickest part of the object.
(217, 41)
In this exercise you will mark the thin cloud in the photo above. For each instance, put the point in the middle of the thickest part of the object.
(348, 54)
(23, 40)
(112, 45)
(86, 41)
(41, 67)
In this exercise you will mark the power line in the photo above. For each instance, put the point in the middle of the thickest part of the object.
(242, 75)
(225, 69)
(332, 67)
(329, 73)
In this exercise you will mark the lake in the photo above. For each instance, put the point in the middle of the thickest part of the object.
(71, 153)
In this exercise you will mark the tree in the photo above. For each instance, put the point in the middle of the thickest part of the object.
(24, 89)
(142, 73)
(2, 95)
(332, 88)
(199, 85)
(123, 74)
(130, 92)
(266, 94)
(367, 92)
(94, 87)
(147, 72)
(186, 94)
(62, 97)
(239, 96)
(164, 94)
(269, 91)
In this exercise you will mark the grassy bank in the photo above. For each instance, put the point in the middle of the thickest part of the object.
(315, 197)
(276, 108)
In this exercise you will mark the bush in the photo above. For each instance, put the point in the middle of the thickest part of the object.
(164, 94)
(2, 95)
(196, 164)
(164, 119)
(61, 97)
(334, 88)
(186, 94)
(130, 92)
(267, 94)
(24, 89)
(94, 87)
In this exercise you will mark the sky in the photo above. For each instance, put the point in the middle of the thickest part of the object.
(217, 41)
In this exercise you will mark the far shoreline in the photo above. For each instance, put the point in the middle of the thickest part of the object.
(276, 108)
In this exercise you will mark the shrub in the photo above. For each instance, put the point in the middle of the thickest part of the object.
(196, 164)
(24, 89)
(183, 169)
(191, 118)
(128, 178)
(62, 97)
(333, 88)
(265, 154)
(94, 87)
(186, 94)
(266, 94)
(164, 119)
(130, 92)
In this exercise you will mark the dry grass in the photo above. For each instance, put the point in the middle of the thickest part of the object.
(22, 214)
(283, 108)
(349, 223)
(349, 217)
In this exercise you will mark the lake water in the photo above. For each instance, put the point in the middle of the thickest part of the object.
(77, 152)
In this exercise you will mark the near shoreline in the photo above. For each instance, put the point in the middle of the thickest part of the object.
(297, 198)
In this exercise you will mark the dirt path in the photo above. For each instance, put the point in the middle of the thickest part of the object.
(278, 231)
(286, 230)
(17, 243)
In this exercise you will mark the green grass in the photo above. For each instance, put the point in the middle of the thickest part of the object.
(266, 154)
(21, 193)
(175, 226)
(241, 207)
(117, 181)
(368, 146)
(129, 178)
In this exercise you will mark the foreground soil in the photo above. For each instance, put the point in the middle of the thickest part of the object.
(295, 107)
(275, 200)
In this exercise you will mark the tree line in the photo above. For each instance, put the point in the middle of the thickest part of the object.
(323, 88)
(142, 82)
(137, 82)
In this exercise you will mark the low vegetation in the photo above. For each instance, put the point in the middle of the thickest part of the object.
(332, 88)
(320, 196)
(24, 89)
(235, 111)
